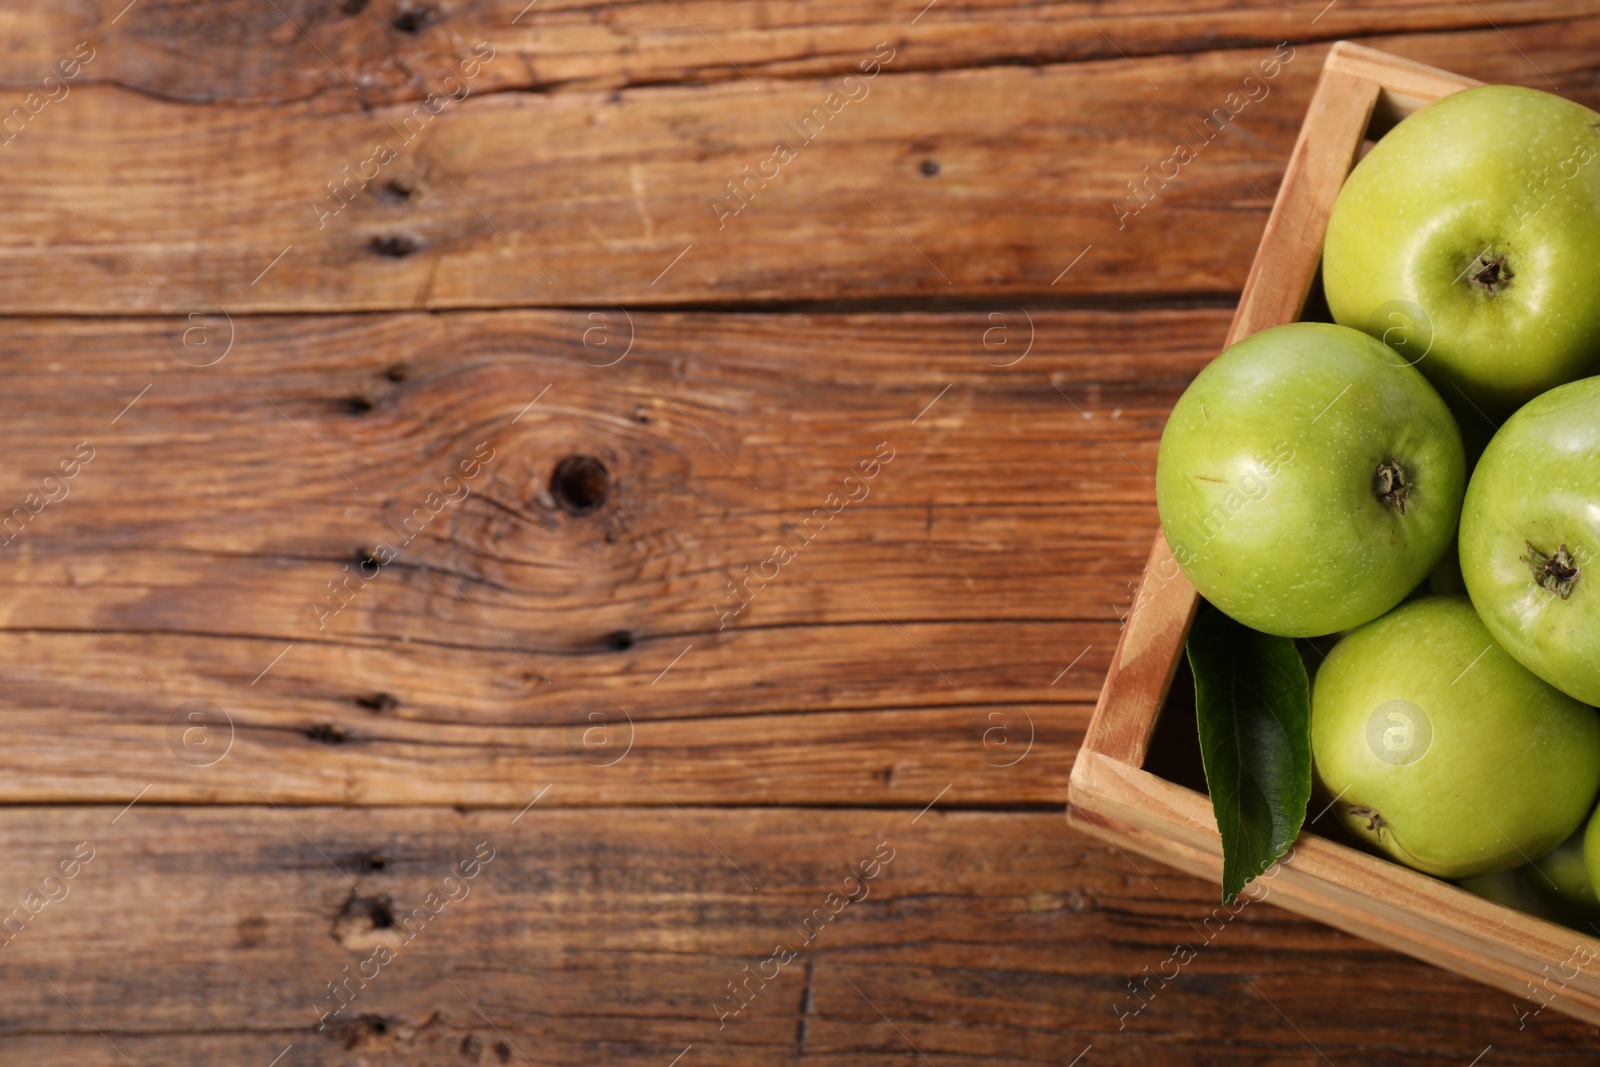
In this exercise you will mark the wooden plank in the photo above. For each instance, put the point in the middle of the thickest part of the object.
(987, 755)
(1369, 896)
(1395, 74)
(993, 938)
(1147, 656)
(914, 637)
(609, 198)
(245, 52)
(1291, 245)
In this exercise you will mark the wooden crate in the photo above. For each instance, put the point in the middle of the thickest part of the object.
(1361, 93)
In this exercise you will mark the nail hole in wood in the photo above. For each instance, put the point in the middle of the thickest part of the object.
(395, 191)
(398, 373)
(377, 861)
(379, 702)
(619, 641)
(328, 733)
(362, 1032)
(930, 168)
(395, 246)
(252, 931)
(362, 915)
(413, 19)
(358, 405)
(580, 484)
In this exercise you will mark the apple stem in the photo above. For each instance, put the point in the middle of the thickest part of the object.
(1557, 573)
(1390, 485)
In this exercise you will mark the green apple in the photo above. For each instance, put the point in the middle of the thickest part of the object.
(1591, 848)
(1564, 874)
(1470, 234)
(1525, 889)
(1443, 751)
(1530, 529)
(1556, 886)
(1511, 888)
(1308, 479)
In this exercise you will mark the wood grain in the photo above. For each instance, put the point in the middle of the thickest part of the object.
(1370, 896)
(993, 938)
(961, 184)
(366, 54)
(1291, 244)
(914, 636)
(1148, 652)
(899, 664)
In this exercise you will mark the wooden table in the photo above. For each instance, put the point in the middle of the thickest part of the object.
(506, 564)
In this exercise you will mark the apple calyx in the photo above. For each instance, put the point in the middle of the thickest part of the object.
(1375, 821)
(1489, 272)
(1390, 485)
(1557, 572)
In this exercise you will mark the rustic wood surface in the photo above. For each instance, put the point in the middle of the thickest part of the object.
(275, 761)
(980, 183)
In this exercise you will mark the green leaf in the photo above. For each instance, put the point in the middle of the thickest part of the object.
(1254, 707)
